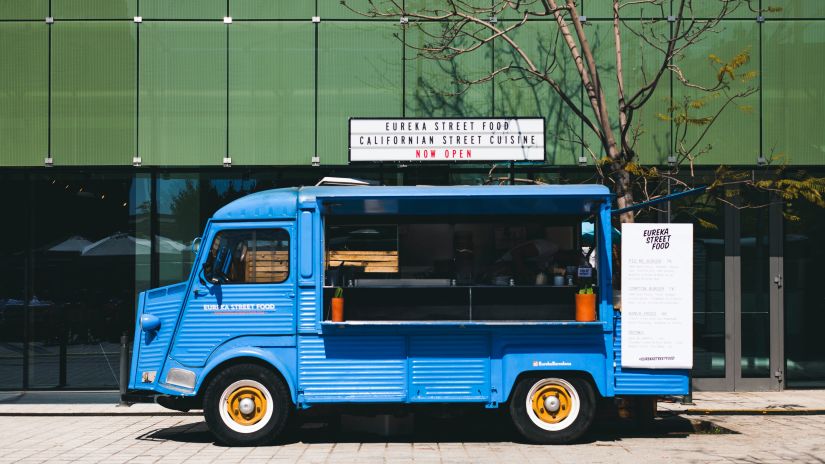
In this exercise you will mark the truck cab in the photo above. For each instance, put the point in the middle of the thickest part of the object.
(461, 294)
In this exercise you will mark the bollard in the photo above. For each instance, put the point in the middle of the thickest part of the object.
(124, 369)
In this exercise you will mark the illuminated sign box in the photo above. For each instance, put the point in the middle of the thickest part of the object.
(446, 139)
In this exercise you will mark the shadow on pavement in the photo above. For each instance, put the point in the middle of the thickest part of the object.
(476, 427)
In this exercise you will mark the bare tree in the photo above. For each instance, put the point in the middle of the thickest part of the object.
(452, 28)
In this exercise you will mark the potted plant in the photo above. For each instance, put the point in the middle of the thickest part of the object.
(586, 304)
(338, 305)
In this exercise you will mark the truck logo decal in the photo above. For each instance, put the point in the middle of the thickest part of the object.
(239, 307)
(551, 364)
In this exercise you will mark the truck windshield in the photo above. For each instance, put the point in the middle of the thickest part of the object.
(248, 256)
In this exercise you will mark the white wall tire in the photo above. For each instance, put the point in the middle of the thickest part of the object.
(259, 418)
(246, 405)
(552, 409)
(569, 409)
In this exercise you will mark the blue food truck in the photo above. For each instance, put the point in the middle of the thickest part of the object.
(460, 294)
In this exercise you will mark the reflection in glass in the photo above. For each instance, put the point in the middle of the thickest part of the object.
(708, 282)
(13, 247)
(82, 297)
(185, 202)
(755, 252)
(804, 252)
(179, 221)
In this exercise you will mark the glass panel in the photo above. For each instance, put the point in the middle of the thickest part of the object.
(713, 9)
(708, 282)
(183, 9)
(793, 99)
(179, 221)
(796, 9)
(94, 9)
(439, 87)
(756, 285)
(182, 93)
(24, 91)
(517, 94)
(804, 253)
(640, 63)
(83, 290)
(93, 92)
(268, 9)
(140, 207)
(185, 202)
(603, 9)
(271, 106)
(359, 75)
(333, 9)
(24, 9)
(738, 40)
(516, 10)
(14, 244)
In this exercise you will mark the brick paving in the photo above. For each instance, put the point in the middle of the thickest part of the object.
(481, 438)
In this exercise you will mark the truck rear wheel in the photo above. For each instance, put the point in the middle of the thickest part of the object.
(246, 405)
(552, 410)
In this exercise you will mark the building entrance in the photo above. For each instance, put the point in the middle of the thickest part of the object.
(738, 301)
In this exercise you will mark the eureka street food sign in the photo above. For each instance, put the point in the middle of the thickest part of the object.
(445, 139)
(657, 296)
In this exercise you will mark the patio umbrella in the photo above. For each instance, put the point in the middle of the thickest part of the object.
(75, 244)
(168, 246)
(118, 245)
(126, 245)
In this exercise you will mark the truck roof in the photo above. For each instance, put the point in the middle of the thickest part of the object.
(417, 200)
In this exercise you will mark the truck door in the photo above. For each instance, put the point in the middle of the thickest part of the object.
(243, 285)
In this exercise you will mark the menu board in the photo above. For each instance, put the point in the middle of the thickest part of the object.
(657, 296)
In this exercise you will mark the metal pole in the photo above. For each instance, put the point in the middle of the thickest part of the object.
(124, 368)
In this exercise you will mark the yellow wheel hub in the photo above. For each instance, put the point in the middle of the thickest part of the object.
(246, 405)
(557, 398)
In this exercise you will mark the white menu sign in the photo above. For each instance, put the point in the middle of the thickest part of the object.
(657, 296)
(446, 139)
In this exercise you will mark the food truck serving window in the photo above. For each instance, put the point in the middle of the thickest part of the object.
(478, 267)
(249, 256)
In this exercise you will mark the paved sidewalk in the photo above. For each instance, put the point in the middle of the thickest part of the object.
(106, 403)
(786, 402)
(480, 438)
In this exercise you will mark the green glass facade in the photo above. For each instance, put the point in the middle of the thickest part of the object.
(272, 88)
(182, 89)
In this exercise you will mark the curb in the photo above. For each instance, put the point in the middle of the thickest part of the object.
(751, 412)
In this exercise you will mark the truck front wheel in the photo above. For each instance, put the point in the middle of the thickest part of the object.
(552, 410)
(246, 405)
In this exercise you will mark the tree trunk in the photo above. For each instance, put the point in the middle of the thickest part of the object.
(624, 193)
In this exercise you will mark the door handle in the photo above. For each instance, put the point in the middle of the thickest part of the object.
(200, 292)
(292, 295)
(777, 279)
